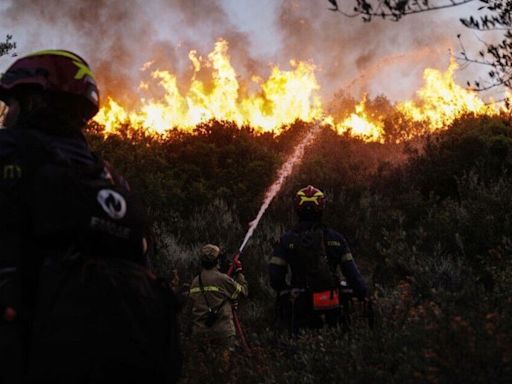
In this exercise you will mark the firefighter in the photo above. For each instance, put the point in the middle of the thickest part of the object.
(316, 257)
(78, 303)
(213, 295)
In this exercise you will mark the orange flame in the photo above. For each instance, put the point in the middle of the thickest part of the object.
(441, 100)
(285, 96)
(360, 125)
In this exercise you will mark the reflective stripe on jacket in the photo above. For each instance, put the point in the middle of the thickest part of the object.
(219, 288)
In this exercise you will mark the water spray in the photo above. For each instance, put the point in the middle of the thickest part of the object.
(283, 173)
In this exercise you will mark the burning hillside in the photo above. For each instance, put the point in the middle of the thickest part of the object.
(285, 96)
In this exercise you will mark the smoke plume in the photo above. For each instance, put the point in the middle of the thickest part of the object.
(117, 37)
(377, 57)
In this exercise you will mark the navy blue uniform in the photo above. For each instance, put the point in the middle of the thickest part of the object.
(17, 194)
(72, 265)
(21, 254)
(307, 274)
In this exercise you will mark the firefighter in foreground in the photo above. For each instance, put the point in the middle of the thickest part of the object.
(317, 257)
(77, 301)
(213, 294)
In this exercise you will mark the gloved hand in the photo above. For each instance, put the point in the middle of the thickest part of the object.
(7, 314)
(237, 265)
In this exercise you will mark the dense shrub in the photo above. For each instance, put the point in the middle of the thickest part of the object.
(430, 227)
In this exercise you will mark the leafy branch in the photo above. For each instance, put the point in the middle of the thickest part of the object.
(7, 46)
(493, 16)
(394, 9)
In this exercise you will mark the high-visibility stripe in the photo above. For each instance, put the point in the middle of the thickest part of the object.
(56, 52)
(208, 288)
(278, 261)
(346, 257)
(83, 69)
(237, 292)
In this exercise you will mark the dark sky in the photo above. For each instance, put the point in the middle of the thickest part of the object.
(118, 36)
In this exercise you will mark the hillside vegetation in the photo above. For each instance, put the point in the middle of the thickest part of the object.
(429, 223)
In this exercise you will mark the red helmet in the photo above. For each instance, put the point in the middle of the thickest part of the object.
(309, 199)
(56, 71)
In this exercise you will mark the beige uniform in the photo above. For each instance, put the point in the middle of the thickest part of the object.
(218, 287)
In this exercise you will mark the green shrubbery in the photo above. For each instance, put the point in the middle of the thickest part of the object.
(431, 230)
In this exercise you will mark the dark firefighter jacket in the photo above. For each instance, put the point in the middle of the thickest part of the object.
(72, 265)
(286, 254)
(220, 290)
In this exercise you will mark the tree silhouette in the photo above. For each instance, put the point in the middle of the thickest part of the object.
(497, 56)
(395, 9)
(494, 16)
(7, 46)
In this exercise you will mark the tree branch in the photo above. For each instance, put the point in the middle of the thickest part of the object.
(396, 9)
(7, 46)
(494, 16)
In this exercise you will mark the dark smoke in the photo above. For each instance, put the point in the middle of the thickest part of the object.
(117, 37)
(108, 34)
(347, 49)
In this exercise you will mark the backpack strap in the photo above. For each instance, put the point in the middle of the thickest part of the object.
(201, 287)
(210, 309)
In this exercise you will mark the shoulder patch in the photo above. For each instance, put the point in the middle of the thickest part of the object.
(11, 172)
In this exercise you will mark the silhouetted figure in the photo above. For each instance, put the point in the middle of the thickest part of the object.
(77, 301)
(316, 257)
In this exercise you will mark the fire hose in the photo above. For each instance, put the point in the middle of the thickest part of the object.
(234, 310)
